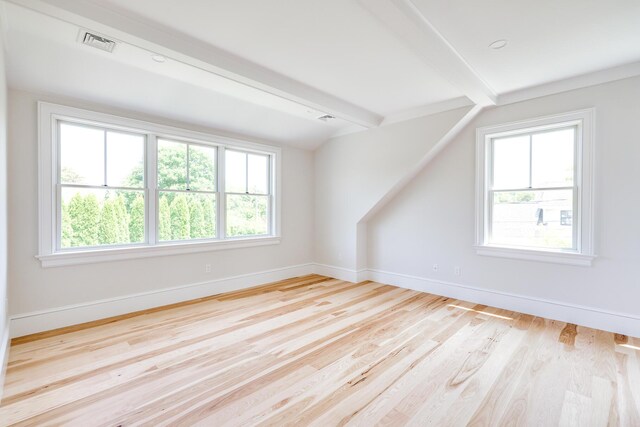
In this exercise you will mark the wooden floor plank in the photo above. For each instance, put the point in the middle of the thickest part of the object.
(319, 351)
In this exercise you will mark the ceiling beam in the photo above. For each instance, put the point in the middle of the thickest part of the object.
(404, 19)
(199, 54)
(427, 110)
(414, 170)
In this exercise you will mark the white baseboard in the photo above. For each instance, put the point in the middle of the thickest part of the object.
(622, 323)
(4, 356)
(34, 322)
(340, 273)
(30, 323)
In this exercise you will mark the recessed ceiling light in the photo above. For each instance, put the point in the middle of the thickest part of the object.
(158, 58)
(498, 44)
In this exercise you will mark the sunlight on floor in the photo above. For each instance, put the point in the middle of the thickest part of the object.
(483, 312)
(633, 347)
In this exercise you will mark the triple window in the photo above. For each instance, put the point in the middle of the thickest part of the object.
(124, 183)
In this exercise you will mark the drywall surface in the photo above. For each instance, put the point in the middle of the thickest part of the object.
(432, 220)
(4, 291)
(34, 288)
(353, 172)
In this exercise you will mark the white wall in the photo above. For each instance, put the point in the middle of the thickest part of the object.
(353, 172)
(4, 320)
(432, 219)
(34, 288)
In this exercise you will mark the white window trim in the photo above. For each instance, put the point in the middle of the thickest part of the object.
(48, 116)
(585, 254)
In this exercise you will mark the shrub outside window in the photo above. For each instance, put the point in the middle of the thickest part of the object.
(123, 188)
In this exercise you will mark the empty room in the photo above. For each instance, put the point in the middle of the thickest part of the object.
(303, 213)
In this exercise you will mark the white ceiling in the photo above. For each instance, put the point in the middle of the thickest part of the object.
(267, 69)
(548, 39)
(44, 56)
(333, 45)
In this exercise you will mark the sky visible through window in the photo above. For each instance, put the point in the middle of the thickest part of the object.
(551, 155)
(82, 153)
(247, 172)
(533, 196)
(186, 177)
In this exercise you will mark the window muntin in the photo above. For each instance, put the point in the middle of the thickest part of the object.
(553, 158)
(187, 195)
(510, 162)
(531, 193)
(100, 204)
(125, 160)
(202, 168)
(257, 174)
(248, 196)
(82, 151)
(103, 195)
(145, 200)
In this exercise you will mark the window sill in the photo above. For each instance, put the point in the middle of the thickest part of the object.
(556, 257)
(118, 254)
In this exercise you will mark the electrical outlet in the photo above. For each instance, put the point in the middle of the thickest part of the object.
(435, 267)
(207, 268)
(457, 271)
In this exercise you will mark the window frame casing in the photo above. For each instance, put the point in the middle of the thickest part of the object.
(49, 117)
(226, 194)
(153, 234)
(57, 232)
(583, 254)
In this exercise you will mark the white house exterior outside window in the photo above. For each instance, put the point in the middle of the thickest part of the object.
(534, 197)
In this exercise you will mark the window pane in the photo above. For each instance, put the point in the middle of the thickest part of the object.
(247, 215)
(511, 162)
(552, 158)
(95, 217)
(172, 165)
(539, 219)
(202, 168)
(125, 160)
(258, 174)
(184, 216)
(235, 172)
(81, 155)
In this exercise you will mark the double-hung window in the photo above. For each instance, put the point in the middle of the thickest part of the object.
(187, 194)
(247, 197)
(117, 188)
(101, 189)
(534, 193)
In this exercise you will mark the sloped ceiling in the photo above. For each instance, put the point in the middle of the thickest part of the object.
(268, 70)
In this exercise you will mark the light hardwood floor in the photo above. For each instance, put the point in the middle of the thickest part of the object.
(319, 351)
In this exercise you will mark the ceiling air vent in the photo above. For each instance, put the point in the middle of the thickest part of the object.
(98, 42)
(326, 117)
